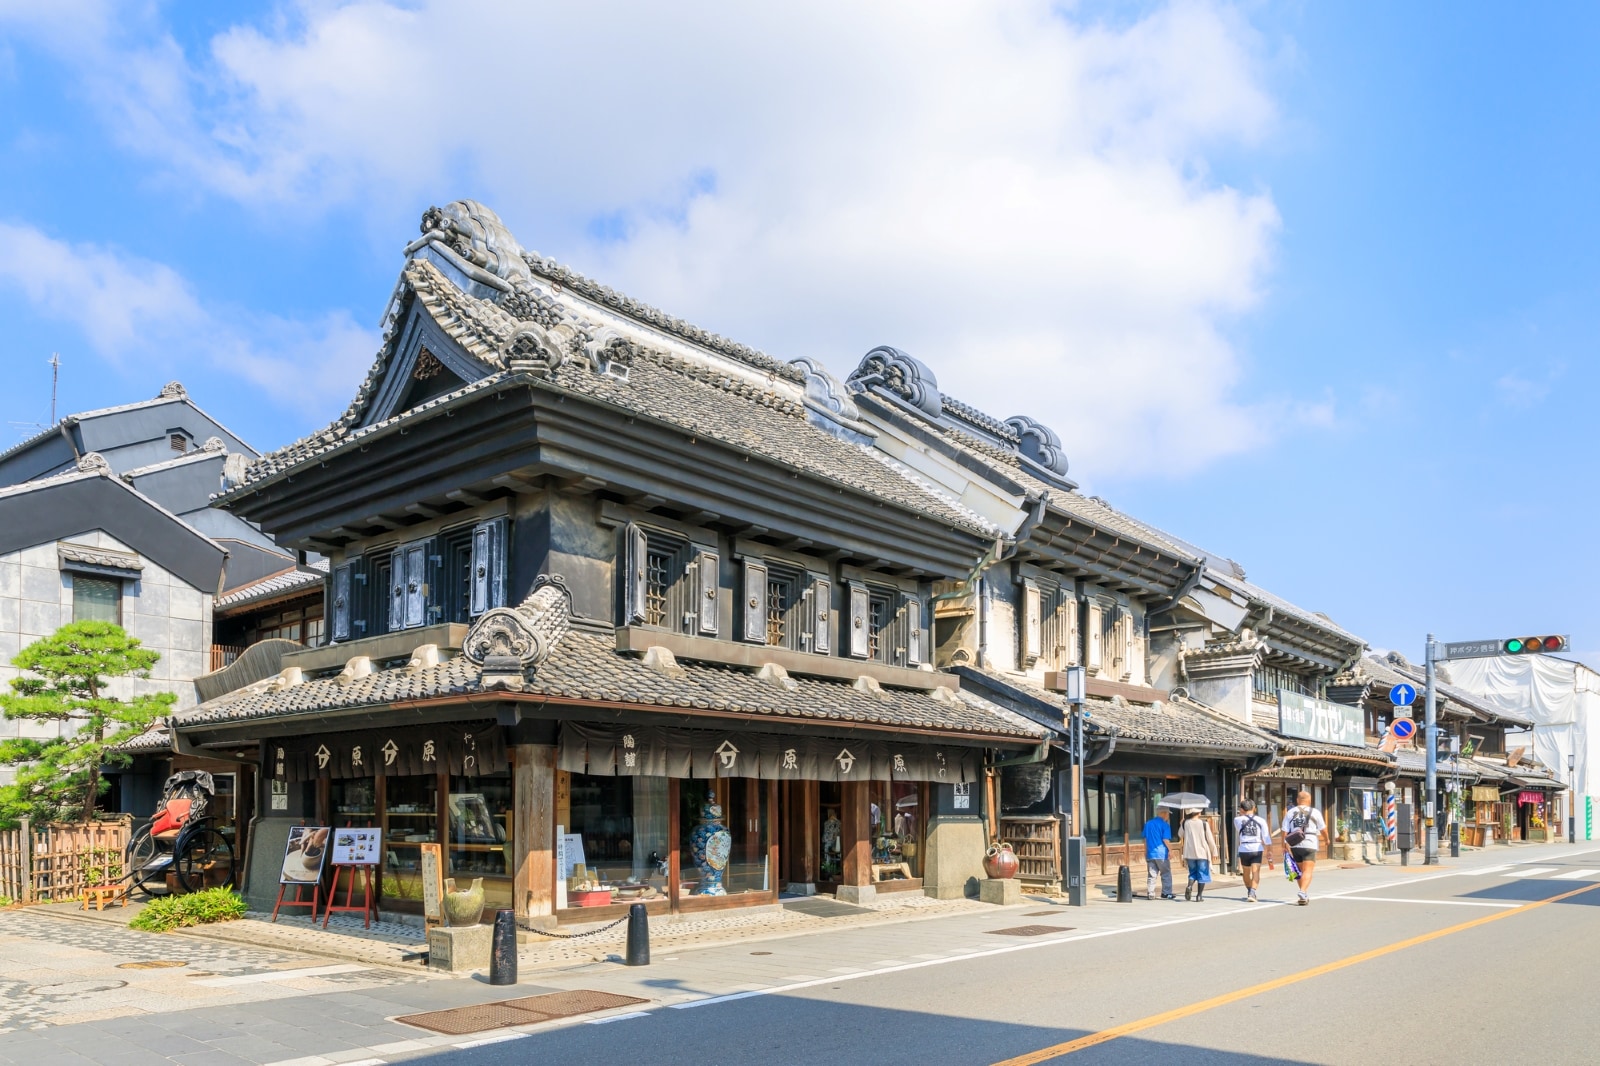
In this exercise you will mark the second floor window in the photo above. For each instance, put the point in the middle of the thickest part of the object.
(1267, 680)
(660, 576)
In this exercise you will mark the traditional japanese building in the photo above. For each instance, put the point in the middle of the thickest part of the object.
(618, 610)
(1078, 585)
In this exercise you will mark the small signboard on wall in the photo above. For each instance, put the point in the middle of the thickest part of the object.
(963, 796)
(279, 795)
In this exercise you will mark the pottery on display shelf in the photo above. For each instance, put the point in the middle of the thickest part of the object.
(1000, 863)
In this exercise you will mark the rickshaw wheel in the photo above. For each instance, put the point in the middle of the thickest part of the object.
(204, 859)
(142, 851)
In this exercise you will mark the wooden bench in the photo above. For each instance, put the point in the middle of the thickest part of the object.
(101, 895)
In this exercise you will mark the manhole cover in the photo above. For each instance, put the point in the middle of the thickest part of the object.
(1030, 930)
(459, 1021)
(76, 988)
(151, 964)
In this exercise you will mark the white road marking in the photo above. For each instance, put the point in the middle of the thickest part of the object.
(1577, 875)
(619, 1017)
(486, 1041)
(287, 975)
(1486, 870)
(1442, 902)
(1536, 871)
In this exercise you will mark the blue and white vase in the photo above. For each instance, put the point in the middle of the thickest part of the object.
(711, 845)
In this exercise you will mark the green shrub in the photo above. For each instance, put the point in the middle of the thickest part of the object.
(197, 908)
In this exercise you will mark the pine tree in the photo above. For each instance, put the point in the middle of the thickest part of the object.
(66, 682)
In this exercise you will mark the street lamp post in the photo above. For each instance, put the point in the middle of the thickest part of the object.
(1572, 798)
(1430, 846)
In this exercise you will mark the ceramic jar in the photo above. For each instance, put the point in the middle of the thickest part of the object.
(1000, 863)
(463, 906)
(711, 845)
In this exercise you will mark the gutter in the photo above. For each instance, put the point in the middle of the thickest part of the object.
(64, 427)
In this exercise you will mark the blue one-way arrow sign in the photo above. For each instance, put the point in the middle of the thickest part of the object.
(1402, 695)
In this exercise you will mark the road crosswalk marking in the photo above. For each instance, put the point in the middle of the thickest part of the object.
(1577, 875)
(1536, 871)
(1485, 870)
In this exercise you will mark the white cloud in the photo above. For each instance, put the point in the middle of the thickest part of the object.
(131, 309)
(1021, 197)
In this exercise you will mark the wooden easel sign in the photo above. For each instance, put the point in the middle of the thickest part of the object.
(432, 885)
(355, 851)
(303, 856)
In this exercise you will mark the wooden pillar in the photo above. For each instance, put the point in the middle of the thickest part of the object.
(534, 807)
(805, 832)
(857, 834)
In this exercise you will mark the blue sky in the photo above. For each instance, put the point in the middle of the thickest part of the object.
(1311, 285)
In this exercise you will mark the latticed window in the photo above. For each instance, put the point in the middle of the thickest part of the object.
(96, 599)
(658, 580)
(879, 614)
(1267, 680)
(780, 595)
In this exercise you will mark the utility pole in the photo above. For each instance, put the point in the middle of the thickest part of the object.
(1430, 846)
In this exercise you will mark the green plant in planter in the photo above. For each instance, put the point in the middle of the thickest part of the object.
(197, 908)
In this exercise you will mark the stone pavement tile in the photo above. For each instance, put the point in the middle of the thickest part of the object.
(212, 1058)
(255, 1049)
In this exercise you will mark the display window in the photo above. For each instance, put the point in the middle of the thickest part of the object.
(895, 820)
(831, 852)
(479, 812)
(618, 835)
(410, 819)
(724, 827)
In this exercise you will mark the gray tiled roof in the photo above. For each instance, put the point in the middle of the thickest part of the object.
(1173, 722)
(158, 738)
(587, 666)
(293, 580)
(695, 396)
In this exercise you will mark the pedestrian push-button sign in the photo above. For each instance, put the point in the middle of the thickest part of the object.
(1403, 695)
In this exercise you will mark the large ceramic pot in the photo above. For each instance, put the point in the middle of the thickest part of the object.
(463, 906)
(710, 845)
(1000, 863)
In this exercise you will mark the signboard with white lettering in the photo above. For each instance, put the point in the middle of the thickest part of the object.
(1314, 719)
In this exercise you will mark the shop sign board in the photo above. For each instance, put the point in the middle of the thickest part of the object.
(280, 795)
(963, 797)
(1320, 720)
(432, 884)
(1292, 773)
(1485, 794)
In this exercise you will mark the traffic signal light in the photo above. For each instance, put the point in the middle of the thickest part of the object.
(1533, 645)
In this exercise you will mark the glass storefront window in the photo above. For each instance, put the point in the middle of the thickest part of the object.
(1138, 813)
(410, 819)
(479, 811)
(897, 822)
(353, 802)
(832, 850)
(623, 822)
(1116, 821)
(1091, 811)
(723, 825)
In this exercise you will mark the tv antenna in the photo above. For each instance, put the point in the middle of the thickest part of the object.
(55, 380)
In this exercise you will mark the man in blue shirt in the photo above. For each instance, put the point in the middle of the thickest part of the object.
(1157, 833)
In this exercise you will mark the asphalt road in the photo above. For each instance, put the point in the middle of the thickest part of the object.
(1488, 966)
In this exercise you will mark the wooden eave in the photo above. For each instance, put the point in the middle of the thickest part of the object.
(1081, 549)
(523, 429)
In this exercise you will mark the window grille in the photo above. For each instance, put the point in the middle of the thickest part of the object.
(179, 443)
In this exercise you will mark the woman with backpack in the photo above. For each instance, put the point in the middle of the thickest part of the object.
(1199, 852)
(1253, 834)
(1303, 829)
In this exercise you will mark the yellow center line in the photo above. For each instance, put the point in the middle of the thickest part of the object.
(1107, 1035)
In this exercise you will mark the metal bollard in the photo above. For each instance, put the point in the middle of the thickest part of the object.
(1124, 885)
(638, 937)
(503, 959)
(1455, 840)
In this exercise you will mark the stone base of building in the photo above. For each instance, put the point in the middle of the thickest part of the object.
(953, 857)
(1003, 891)
(858, 894)
(801, 888)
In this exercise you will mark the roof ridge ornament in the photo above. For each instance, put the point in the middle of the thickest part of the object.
(476, 234)
(93, 463)
(173, 390)
(901, 375)
(509, 643)
(1038, 442)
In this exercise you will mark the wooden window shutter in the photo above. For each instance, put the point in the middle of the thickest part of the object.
(754, 606)
(1096, 637)
(397, 590)
(860, 636)
(488, 566)
(635, 548)
(707, 571)
(912, 613)
(416, 584)
(820, 612)
(1032, 623)
(340, 607)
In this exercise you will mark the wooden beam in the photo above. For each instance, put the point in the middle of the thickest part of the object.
(422, 510)
(581, 485)
(383, 521)
(533, 815)
(471, 499)
(856, 838)
(517, 484)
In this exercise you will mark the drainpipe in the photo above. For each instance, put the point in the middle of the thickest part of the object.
(983, 623)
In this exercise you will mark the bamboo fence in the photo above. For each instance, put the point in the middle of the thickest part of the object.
(57, 862)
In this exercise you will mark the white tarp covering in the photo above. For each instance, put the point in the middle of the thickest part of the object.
(1562, 698)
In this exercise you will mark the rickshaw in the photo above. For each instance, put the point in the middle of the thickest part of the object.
(181, 841)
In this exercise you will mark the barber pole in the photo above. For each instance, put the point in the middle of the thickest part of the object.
(1390, 819)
